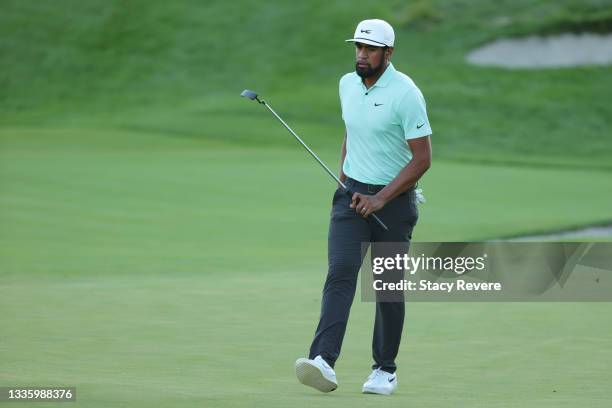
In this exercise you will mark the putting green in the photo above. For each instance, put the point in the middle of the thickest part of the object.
(80, 202)
(229, 338)
(151, 271)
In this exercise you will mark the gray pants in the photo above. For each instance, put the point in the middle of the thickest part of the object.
(347, 232)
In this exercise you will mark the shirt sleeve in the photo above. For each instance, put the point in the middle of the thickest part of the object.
(412, 111)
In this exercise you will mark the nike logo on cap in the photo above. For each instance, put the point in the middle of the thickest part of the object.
(366, 31)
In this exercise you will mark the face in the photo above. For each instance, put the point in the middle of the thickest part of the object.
(370, 60)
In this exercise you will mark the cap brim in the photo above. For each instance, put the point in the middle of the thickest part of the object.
(366, 41)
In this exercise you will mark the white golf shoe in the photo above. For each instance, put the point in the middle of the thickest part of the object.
(380, 382)
(316, 374)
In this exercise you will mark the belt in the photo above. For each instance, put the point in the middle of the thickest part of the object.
(370, 188)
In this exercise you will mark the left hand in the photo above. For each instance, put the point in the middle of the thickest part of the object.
(366, 204)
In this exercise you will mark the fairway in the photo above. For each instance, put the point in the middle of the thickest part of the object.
(175, 201)
(163, 242)
(158, 294)
(230, 339)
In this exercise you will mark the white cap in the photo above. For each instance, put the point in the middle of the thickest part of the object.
(374, 32)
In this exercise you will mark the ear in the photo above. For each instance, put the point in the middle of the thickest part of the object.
(389, 53)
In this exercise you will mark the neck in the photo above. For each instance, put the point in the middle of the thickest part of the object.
(368, 82)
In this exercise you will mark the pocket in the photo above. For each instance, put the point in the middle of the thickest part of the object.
(410, 208)
(337, 195)
(340, 205)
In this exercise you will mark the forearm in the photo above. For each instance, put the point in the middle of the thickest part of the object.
(406, 178)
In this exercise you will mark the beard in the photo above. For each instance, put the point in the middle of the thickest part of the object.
(369, 71)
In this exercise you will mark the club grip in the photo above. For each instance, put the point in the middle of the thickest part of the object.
(375, 217)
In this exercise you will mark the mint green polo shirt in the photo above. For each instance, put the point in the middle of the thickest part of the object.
(378, 122)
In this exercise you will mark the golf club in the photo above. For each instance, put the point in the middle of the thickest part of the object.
(253, 96)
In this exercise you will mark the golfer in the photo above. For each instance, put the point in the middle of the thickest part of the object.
(386, 150)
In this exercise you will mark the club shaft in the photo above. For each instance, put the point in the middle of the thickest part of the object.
(313, 154)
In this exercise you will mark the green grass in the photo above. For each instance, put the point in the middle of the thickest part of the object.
(125, 201)
(177, 68)
(230, 339)
(163, 241)
(131, 273)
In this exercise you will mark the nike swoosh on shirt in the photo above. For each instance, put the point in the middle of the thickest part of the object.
(420, 126)
(378, 104)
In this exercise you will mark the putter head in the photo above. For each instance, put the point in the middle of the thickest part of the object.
(249, 94)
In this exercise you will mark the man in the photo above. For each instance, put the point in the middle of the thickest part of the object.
(386, 149)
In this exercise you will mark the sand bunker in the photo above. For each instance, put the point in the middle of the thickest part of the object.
(566, 50)
(603, 231)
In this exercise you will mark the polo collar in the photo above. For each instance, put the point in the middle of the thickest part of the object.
(384, 79)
